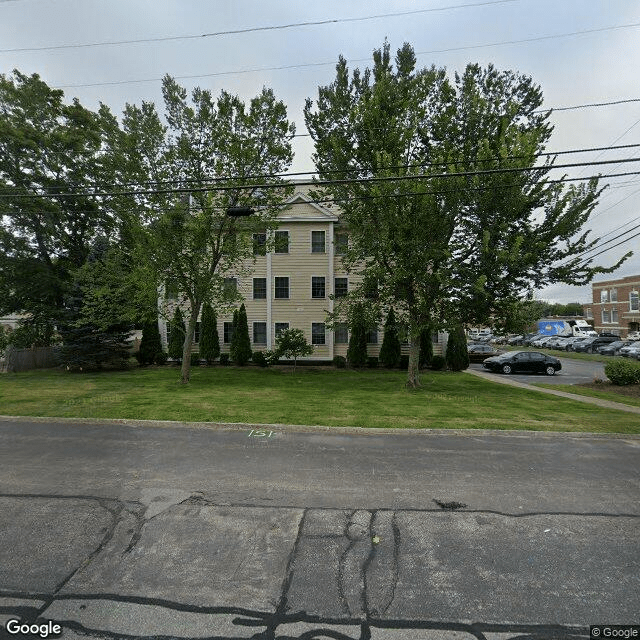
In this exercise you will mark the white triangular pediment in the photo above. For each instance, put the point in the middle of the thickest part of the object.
(301, 207)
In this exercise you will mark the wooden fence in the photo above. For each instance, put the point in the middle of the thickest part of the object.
(16, 360)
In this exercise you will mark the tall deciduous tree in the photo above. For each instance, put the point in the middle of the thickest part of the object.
(461, 218)
(52, 154)
(215, 151)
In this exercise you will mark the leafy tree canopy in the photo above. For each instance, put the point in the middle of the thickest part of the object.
(212, 149)
(462, 217)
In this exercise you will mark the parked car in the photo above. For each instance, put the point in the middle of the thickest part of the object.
(630, 350)
(478, 352)
(574, 340)
(531, 337)
(542, 341)
(523, 362)
(515, 340)
(557, 342)
(612, 348)
(634, 335)
(591, 345)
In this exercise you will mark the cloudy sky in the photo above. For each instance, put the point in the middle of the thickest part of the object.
(580, 52)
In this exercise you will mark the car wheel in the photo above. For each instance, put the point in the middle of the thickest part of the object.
(550, 371)
(506, 368)
(567, 348)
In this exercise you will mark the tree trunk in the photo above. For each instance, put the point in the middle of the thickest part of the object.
(413, 373)
(188, 341)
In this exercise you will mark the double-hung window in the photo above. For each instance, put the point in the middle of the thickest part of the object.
(341, 333)
(318, 241)
(372, 336)
(280, 327)
(318, 287)
(281, 288)
(340, 287)
(341, 243)
(634, 301)
(281, 242)
(259, 288)
(227, 334)
(259, 333)
(317, 333)
(231, 286)
(259, 244)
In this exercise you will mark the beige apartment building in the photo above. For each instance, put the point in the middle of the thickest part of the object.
(616, 306)
(291, 286)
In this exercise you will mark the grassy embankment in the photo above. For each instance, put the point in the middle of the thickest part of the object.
(368, 398)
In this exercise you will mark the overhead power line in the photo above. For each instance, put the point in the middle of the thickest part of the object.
(353, 60)
(320, 183)
(417, 165)
(149, 192)
(280, 27)
(584, 262)
(341, 201)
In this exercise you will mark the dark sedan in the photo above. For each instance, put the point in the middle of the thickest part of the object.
(593, 344)
(478, 352)
(523, 362)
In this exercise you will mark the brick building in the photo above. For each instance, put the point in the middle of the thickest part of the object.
(615, 307)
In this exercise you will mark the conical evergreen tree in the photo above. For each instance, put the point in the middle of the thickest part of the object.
(457, 354)
(209, 338)
(176, 339)
(243, 342)
(426, 348)
(150, 345)
(390, 350)
(234, 336)
(357, 350)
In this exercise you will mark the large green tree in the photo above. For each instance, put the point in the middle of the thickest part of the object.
(217, 152)
(52, 156)
(447, 199)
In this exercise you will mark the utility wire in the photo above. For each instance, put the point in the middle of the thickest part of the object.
(590, 258)
(320, 183)
(381, 168)
(341, 201)
(293, 25)
(602, 244)
(353, 60)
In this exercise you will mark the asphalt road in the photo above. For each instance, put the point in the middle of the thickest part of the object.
(122, 531)
(573, 372)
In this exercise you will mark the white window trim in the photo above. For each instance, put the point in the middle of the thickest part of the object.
(606, 321)
(266, 331)
(613, 291)
(335, 243)
(324, 344)
(335, 277)
(346, 324)
(287, 322)
(637, 293)
(325, 287)
(288, 251)
(318, 253)
(274, 287)
(266, 287)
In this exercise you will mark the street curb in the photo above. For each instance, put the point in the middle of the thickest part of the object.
(607, 404)
(364, 431)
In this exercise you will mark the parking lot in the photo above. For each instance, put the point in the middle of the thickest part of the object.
(572, 372)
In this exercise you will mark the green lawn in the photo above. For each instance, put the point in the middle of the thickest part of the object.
(368, 398)
(628, 394)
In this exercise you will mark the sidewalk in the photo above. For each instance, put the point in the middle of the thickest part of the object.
(502, 379)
